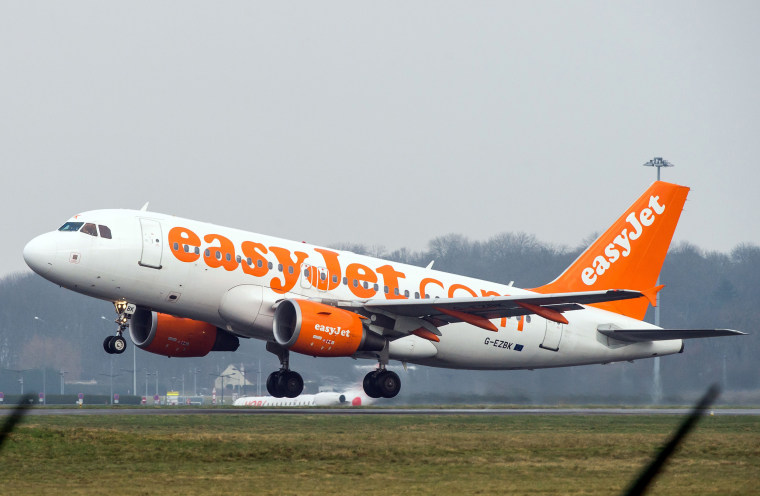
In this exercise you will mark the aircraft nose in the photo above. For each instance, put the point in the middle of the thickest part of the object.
(39, 253)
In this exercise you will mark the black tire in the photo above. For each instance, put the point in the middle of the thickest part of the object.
(290, 384)
(118, 344)
(272, 381)
(107, 344)
(369, 385)
(388, 384)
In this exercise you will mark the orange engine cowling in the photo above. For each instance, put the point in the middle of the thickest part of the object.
(163, 334)
(316, 329)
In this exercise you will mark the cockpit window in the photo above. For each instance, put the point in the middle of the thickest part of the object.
(105, 231)
(71, 226)
(90, 229)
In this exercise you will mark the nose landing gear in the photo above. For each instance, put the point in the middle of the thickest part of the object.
(117, 344)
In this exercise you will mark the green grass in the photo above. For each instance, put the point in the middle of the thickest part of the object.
(318, 454)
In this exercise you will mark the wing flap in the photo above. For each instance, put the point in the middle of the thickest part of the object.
(642, 335)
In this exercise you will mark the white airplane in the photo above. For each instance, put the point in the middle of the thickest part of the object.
(184, 288)
(323, 398)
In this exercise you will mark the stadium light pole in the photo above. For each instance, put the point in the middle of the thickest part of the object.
(659, 163)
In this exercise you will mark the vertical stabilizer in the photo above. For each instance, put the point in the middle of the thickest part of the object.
(630, 254)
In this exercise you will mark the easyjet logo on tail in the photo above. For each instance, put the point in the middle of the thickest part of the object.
(624, 243)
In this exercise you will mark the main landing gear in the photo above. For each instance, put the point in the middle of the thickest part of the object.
(283, 382)
(117, 344)
(382, 383)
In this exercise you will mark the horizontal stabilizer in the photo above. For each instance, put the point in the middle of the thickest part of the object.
(641, 335)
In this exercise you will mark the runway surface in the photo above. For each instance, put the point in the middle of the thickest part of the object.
(377, 411)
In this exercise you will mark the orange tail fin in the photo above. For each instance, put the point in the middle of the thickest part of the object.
(630, 254)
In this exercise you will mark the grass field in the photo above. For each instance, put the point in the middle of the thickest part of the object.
(336, 454)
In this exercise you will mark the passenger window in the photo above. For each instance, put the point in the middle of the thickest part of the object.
(71, 226)
(105, 231)
(90, 229)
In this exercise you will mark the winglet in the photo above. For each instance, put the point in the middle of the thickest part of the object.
(145, 207)
(651, 294)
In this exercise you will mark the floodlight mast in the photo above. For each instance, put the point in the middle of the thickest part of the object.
(659, 163)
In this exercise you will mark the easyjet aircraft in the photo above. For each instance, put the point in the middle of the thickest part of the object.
(184, 288)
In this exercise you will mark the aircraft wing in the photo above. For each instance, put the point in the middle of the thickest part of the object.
(479, 310)
(640, 335)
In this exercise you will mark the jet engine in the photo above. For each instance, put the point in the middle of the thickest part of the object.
(316, 329)
(170, 336)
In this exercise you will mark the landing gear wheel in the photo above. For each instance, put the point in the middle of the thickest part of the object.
(290, 384)
(272, 381)
(118, 344)
(369, 385)
(387, 383)
(115, 345)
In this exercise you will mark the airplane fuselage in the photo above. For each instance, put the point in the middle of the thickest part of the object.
(233, 280)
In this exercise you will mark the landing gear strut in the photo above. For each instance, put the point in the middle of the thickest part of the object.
(117, 344)
(382, 383)
(283, 382)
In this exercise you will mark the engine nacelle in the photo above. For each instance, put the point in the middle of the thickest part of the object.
(316, 329)
(163, 334)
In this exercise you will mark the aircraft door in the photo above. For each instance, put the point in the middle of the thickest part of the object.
(313, 277)
(152, 243)
(553, 336)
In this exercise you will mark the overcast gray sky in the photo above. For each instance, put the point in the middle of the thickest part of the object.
(379, 122)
